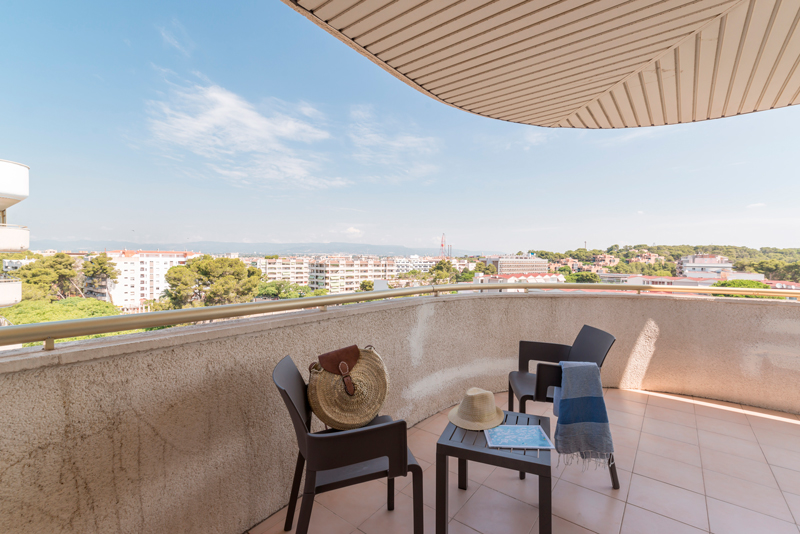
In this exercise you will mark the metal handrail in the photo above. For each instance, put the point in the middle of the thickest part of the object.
(49, 332)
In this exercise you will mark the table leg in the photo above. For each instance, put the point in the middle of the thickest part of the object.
(545, 505)
(441, 493)
(462, 474)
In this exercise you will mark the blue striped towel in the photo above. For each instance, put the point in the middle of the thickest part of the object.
(582, 431)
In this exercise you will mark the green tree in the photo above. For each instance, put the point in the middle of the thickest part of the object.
(51, 277)
(283, 289)
(367, 285)
(583, 278)
(271, 257)
(750, 284)
(212, 281)
(565, 270)
(100, 267)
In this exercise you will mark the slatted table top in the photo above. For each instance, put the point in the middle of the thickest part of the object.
(471, 445)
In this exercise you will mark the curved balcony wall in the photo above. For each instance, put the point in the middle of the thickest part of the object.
(10, 292)
(182, 430)
(14, 238)
(13, 183)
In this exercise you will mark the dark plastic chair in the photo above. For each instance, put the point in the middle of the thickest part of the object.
(337, 459)
(591, 345)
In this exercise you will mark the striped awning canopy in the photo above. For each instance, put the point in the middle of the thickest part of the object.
(580, 63)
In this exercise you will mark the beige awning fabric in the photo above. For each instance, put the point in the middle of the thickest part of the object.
(581, 63)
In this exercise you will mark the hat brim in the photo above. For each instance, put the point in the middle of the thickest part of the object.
(497, 420)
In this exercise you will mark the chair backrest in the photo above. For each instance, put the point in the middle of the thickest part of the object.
(293, 390)
(591, 345)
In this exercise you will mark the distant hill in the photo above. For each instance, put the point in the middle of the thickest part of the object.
(217, 247)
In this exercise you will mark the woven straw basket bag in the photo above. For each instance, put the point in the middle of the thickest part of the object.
(347, 387)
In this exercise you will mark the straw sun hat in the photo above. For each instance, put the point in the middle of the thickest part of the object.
(477, 411)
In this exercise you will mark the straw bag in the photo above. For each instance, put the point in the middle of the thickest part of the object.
(347, 387)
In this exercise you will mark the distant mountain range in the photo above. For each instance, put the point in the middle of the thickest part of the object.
(218, 247)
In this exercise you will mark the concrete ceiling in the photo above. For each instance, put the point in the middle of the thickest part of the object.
(580, 63)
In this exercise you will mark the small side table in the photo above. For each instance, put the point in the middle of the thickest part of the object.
(470, 445)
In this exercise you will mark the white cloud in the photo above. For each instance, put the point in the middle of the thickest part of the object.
(640, 212)
(756, 205)
(236, 140)
(404, 153)
(353, 232)
(177, 37)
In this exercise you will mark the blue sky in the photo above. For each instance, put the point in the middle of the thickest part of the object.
(177, 122)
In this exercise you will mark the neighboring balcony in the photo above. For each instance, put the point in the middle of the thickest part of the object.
(10, 291)
(14, 238)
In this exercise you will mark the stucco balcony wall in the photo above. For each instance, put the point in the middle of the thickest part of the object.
(182, 430)
(10, 292)
(14, 238)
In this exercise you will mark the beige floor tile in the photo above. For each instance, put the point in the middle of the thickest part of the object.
(621, 405)
(456, 497)
(624, 457)
(265, 526)
(627, 437)
(508, 482)
(726, 518)
(675, 402)
(670, 430)
(670, 471)
(627, 394)
(782, 457)
(788, 479)
(355, 503)
(746, 494)
(726, 428)
(398, 521)
(670, 416)
(739, 467)
(670, 448)
(640, 521)
(587, 508)
(794, 505)
(789, 426)
(423, 444)
(323, 521)
(735, 446)
(562, 526)
(598, 480)
(454, 527)
(625, 419)
(671, 501)
(491, 512)
(721, 413)
(777, 439)
(435, 424)
(476, 471)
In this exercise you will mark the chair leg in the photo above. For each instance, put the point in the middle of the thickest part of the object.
(522, 406)
(308, 502)
(416, 481)
(510, 398)
(613, 470)
(298, 474)
(390, 494)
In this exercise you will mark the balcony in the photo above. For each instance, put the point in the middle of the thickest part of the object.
(14, 238)
(181, 430)
(10, 291)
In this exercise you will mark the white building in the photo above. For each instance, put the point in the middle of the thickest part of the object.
(521, 278)
(704, 265)
(13, 238)
(142, 275)
(293, 269)
(517, 264)
(14, 265)
(424, 264)
(344, 274)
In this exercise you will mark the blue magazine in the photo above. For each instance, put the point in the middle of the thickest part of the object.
(517, 437)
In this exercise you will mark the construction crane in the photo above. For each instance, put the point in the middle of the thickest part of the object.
(443, 253)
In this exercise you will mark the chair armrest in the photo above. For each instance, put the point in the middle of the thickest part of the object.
(543, 352)
(348, 447)
(547, 375)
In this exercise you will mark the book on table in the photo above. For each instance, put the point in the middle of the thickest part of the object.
(517, 437)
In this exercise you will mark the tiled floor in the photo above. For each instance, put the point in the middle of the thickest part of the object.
(686, 465)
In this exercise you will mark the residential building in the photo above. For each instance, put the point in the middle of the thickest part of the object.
(293, 269)
(706, 265)
(13, 238)
(517, 264)
(639, 279)
(605, 260)
(13, 265)
(590, 268)
(647, 257)
(533, 278)
(415, 263)
(572, 263)
(142, 276)
(344, 274)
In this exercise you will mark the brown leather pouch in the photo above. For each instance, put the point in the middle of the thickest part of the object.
(341, 362)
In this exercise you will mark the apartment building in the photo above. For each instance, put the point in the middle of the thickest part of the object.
(541, 278)
(647, 257)
(517, 264)
(344, 274)
(415, 263)
(704, 265)
(142, 276)
(292, 269)
(14, 265)
(572, 263)
(605, 260)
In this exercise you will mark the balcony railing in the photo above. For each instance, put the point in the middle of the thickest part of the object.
(50, 332)
(14, 238)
